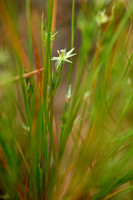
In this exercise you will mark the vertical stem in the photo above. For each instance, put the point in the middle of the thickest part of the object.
(29, 33)
(72, 40)
(70, 69)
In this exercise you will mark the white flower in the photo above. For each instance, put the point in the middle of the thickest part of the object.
(102, 18)
(63, 57)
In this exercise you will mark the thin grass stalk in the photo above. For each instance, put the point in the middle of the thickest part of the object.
(28, 15)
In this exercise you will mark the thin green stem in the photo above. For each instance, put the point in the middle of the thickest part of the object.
(29, 33)
(72, 40)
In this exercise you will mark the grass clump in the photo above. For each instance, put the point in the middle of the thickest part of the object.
(86, 153)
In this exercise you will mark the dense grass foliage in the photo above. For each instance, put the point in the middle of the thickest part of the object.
(86, 153)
